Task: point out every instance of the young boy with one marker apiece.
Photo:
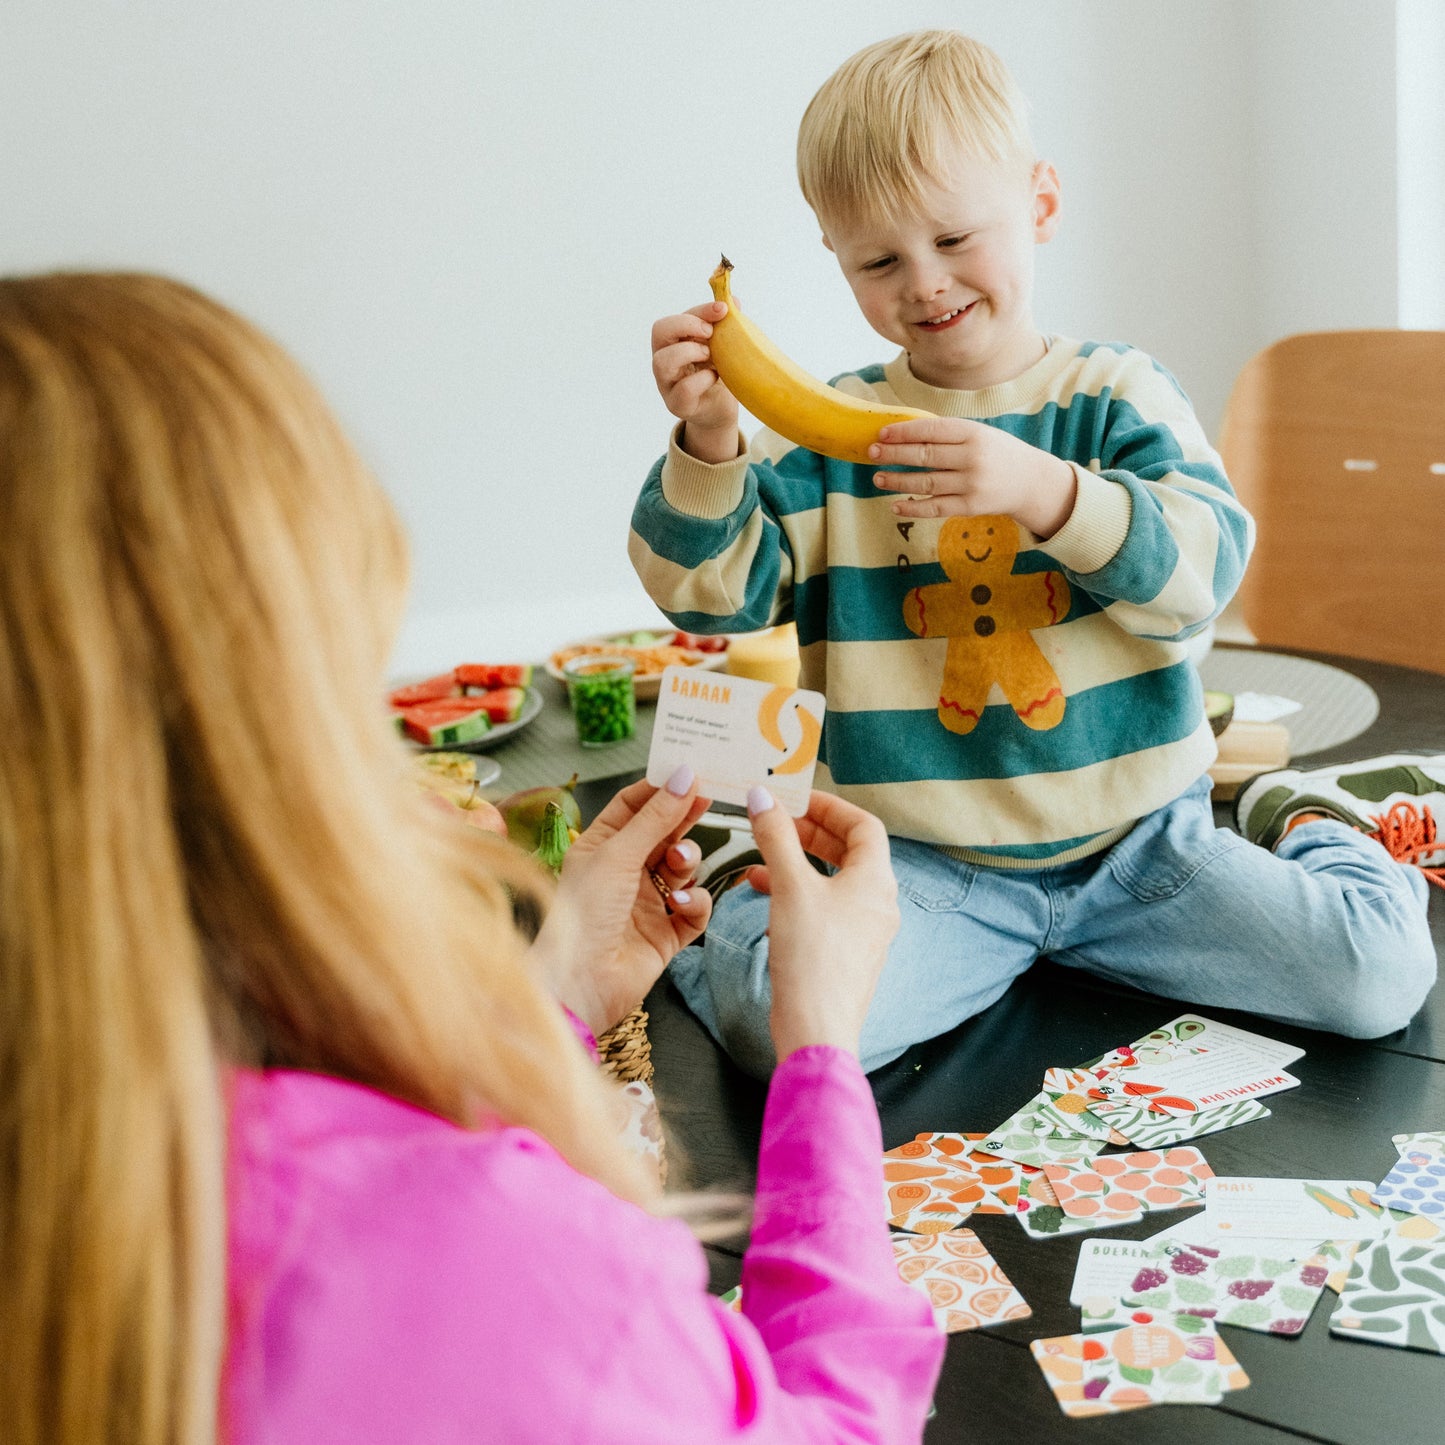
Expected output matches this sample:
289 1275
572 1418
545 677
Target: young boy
998 629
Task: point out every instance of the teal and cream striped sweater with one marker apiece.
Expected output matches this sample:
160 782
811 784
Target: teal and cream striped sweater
1152 551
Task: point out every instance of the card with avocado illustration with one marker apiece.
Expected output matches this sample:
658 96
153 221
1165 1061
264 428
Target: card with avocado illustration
734 732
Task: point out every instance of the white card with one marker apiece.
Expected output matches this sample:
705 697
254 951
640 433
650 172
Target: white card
734 732
1192 1033
1107 1267
1308 1209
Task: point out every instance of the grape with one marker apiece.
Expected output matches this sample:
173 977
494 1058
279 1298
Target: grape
1286 1327
1250 1288
1148 1279
1187 1264
1313 1274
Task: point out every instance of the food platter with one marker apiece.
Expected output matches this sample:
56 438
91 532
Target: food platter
650 656
500 732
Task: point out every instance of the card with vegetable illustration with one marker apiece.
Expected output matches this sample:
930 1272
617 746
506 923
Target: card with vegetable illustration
1173 1362
1293 1208
1115 1187
734 732
963 1281
1395 1294
1157 1123
1257 1290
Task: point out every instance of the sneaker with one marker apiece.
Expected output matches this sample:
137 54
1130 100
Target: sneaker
728 850
1394 799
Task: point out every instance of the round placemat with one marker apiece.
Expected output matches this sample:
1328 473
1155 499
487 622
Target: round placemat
1335 705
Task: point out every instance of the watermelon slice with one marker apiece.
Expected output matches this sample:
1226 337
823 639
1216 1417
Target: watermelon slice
443 685
489 675
502 704
445 722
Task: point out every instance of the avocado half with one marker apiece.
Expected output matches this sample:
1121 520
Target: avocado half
1219 709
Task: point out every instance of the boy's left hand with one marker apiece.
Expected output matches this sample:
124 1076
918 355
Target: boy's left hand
973 470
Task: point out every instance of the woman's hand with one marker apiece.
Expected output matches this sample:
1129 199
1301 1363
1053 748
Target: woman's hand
610 932
828 936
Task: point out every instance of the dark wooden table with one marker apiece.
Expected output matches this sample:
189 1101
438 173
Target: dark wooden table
1352 1097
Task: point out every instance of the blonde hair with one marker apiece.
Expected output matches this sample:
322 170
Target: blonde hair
210 851
886 122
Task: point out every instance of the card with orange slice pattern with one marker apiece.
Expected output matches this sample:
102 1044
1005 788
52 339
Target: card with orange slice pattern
1119 1186
964 1282
1040 1216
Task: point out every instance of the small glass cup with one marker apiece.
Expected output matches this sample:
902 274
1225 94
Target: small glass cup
604 706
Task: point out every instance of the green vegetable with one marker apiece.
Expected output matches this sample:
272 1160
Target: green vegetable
603 703
553 838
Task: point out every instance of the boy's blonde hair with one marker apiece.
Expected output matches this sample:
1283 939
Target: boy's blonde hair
211 851
885 123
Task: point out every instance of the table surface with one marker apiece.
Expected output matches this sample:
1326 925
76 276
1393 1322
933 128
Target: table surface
1352 1097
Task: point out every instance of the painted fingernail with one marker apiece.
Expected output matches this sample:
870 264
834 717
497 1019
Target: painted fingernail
681 897
680 781
759 800
687 853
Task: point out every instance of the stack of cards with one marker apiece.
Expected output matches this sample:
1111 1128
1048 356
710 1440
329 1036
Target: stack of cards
1190 1078
936 1181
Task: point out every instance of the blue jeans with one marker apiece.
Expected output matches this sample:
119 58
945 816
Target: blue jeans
1329 932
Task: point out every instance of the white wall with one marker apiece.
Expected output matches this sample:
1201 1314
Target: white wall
464 216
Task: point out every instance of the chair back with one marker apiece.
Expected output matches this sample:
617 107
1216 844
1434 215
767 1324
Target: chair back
1335 440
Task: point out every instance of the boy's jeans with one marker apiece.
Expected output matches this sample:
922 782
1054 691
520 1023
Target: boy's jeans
1330 933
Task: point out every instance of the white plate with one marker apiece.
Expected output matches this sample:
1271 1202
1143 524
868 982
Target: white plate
645 688
500 732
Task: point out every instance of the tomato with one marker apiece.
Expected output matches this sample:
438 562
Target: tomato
699 641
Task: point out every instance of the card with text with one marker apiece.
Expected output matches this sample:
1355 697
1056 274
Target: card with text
734 732
1293 1209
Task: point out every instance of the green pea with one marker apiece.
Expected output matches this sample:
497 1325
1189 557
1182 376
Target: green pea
604 706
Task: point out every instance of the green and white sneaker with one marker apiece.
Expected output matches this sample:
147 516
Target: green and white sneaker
1395 799
728 850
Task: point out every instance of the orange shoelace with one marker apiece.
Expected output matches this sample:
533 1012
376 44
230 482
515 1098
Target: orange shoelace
1408 834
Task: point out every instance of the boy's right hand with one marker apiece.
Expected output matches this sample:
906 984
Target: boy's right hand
690 388
828 935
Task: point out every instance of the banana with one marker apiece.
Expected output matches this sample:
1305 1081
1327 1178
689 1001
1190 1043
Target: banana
786 398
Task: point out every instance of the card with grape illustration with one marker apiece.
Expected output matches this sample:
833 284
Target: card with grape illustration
1268 1290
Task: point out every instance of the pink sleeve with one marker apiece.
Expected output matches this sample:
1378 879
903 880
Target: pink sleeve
819 1281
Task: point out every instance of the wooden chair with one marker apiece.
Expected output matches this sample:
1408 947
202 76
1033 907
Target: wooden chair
1335 441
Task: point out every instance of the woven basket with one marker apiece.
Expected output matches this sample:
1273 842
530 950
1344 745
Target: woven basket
625 1051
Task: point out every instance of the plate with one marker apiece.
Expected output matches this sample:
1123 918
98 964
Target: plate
645 685
531 706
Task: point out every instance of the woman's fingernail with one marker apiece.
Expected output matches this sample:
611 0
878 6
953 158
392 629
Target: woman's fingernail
680 781
759 800
687 853
681 897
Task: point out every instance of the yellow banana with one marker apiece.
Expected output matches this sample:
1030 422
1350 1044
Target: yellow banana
786 398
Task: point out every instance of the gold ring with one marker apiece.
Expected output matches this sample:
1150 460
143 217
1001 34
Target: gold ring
660 883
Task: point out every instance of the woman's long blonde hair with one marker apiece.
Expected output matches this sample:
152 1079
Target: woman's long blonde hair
209 850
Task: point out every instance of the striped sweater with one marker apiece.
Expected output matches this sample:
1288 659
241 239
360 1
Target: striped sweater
1153 549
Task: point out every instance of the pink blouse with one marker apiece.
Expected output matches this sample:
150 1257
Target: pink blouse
394 1278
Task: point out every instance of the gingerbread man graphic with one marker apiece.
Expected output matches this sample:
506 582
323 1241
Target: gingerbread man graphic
987 613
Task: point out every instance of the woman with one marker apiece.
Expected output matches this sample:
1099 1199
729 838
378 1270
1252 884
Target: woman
298 1142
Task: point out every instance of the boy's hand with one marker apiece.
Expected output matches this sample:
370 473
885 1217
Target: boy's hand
691 389
973 470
